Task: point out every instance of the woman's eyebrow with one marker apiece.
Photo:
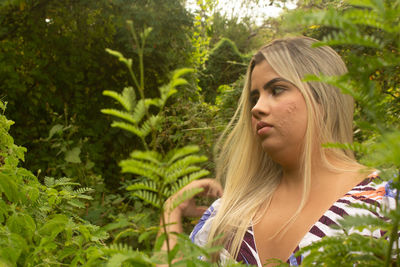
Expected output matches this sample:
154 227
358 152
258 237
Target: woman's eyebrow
273 81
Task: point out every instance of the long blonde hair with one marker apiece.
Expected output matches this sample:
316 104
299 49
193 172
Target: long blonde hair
249 174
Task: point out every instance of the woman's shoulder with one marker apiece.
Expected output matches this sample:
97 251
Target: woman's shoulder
372 188
201 231
372 191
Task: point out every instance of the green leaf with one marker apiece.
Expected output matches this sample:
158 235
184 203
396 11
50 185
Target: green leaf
179 153
128 127
9 187
148 185
152 156
127 99
54 226
119 114
148 197
72 155
56 129
187 194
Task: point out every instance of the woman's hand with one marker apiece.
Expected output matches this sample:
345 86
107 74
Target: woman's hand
173 218
189 208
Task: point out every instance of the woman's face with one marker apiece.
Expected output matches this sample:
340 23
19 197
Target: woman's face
279 113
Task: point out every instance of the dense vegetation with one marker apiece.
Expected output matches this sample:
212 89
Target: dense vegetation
89 187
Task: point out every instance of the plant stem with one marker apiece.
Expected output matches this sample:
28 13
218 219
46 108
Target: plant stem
164 225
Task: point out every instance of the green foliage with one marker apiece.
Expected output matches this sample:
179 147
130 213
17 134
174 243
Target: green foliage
53 70
158 176
40 223
164 176
224 66
202 32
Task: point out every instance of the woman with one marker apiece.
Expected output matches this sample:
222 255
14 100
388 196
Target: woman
282 188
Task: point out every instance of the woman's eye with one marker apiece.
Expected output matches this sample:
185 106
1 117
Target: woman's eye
276 90
253 100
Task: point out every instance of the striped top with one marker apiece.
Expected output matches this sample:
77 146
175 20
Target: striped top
372 191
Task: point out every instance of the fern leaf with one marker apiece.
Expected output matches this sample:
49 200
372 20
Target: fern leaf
128 127
129 96
153 102
118 97
184 163
76 203
187 180
119 248
179 153
140 168
119 114
180 72
83 190
139 111
148 197
145 129
63 182
187 194
357 147
146 165
177 173
155 121
367 18
147 185
341 38
151 156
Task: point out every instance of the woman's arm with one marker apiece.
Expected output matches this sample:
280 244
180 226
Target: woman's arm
173 218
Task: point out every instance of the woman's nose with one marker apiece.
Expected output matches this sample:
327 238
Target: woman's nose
261 108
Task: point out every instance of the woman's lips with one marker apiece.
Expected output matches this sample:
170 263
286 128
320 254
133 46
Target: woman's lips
263 128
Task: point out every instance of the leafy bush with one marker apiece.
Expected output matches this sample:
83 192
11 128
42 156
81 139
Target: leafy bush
224 65
40 223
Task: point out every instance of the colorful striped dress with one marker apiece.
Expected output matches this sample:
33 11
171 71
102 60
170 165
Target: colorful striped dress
371 191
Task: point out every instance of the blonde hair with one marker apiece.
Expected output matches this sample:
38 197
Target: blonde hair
249 174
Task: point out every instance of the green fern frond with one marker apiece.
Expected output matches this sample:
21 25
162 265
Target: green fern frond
185 162
167 192
152 156
145 129
146 165
127 99
361 222
120 114
366 18
188 194
342 38
83 190
179 153
165 91
128 127
119 247
153 102
147 185
65 183
155 121
187 180
177 173
180 72
144 169
48 181
149 197
139 111
357 147
76 203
